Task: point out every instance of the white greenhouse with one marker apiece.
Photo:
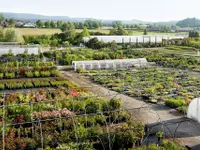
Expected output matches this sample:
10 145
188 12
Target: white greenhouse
134 39
109 64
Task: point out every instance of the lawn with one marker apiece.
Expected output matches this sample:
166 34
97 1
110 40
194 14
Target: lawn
38 31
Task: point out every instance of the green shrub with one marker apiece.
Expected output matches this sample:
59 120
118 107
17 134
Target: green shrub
37 74
55 73
10 75
183 109
1 75
45 73
173 103
29 74
2 86
28 84
115 104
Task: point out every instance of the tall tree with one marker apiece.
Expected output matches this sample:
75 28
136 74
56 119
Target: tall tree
52 24
47 24
2 17
11 22
60 23
145 32
69 31
116 24
80 25
39 23
2 34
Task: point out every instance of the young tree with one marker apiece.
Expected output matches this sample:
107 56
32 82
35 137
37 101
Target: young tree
85 32
113 46
12 36
145 32
26 51
121 31
11 22
39 23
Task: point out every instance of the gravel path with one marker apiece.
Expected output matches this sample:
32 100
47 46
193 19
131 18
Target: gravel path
174 124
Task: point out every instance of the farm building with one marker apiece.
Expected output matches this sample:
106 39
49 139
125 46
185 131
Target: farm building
185 29
29 25
109 64
154 29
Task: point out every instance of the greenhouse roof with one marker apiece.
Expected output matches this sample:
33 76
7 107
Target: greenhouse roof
134 39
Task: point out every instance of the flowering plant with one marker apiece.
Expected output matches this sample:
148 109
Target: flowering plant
73 93
52 114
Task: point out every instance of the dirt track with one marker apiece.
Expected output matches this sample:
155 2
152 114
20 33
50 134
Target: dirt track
172 122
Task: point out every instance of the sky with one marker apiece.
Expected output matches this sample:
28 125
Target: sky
146 10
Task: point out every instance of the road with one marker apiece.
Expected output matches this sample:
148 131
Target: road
158 117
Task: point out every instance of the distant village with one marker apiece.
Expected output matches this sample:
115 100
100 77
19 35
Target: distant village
18 24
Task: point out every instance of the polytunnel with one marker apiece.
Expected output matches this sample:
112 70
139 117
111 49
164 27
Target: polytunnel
194 110
109 64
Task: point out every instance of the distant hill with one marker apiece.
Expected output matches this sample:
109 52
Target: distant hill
189 22
35 17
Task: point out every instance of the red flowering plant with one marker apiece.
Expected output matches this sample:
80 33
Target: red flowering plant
20 119
21 70
73 93
11 98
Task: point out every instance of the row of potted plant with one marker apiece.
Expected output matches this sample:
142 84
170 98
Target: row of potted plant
32 83
152 84
29 73
26 63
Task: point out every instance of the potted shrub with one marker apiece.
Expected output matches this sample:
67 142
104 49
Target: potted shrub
159 135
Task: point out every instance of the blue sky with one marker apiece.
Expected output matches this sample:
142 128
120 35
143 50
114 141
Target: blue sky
148 10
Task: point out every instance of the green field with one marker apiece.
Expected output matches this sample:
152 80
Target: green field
39 31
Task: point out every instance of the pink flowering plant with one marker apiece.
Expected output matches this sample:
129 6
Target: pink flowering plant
52 114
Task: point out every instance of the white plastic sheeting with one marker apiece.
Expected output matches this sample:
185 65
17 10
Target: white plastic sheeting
194 110
109 64
134 39
18 50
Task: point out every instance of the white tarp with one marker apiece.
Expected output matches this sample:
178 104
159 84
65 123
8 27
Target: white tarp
194 110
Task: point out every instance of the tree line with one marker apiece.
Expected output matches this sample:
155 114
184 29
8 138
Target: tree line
90 24
8 22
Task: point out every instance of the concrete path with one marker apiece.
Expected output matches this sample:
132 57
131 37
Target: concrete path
158 117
